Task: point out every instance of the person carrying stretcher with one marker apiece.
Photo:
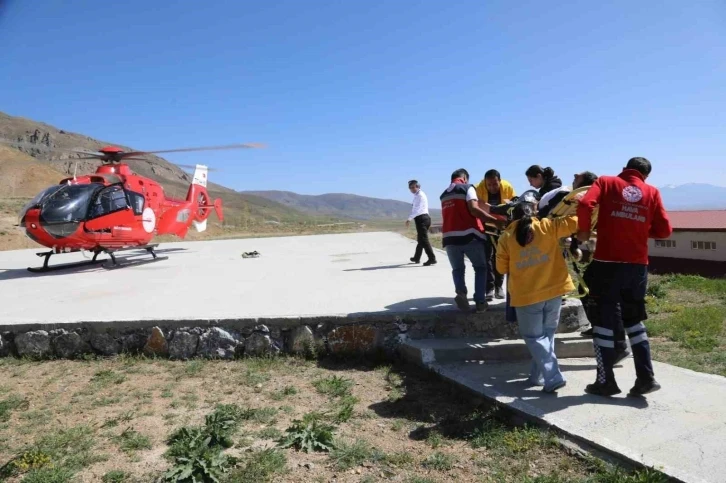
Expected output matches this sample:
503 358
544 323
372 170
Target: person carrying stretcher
493 190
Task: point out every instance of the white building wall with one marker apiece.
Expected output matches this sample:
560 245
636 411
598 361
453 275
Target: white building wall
683 248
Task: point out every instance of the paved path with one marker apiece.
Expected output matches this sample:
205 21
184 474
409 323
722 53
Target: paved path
326 275
680 429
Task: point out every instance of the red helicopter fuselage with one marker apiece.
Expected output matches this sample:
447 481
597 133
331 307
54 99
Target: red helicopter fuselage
114 209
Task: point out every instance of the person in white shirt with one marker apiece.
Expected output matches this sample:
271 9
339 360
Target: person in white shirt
420 215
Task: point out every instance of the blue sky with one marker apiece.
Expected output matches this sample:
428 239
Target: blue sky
361 96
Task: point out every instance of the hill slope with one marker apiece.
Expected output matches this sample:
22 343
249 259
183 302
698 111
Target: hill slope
694 196
29 169
344 205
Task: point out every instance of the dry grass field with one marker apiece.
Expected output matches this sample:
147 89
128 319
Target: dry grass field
130 419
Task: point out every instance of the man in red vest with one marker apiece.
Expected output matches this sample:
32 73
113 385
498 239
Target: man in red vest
630 212
463 235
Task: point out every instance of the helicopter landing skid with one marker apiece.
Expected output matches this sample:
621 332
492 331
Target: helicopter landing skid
94 260
149 249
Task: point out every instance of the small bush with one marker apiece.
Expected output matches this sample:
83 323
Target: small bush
434 439
344 409
309 434
656 290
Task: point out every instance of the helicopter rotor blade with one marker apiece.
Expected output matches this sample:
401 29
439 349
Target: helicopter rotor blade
189 166
207 148
78 158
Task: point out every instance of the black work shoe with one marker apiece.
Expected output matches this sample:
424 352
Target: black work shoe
428 263
461 301
481 307
599 389
414 260
620 355
499 293
642 387
490 295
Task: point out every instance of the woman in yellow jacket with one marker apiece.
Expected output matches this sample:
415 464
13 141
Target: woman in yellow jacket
530 255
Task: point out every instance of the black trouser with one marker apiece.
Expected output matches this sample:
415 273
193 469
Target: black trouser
423 223
494 278
592 310
621 289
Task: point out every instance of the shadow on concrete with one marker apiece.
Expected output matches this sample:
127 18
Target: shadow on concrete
125 259
431 305
425 303
516 385
382 267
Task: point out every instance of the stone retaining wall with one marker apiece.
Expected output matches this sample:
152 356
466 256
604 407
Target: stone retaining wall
228 339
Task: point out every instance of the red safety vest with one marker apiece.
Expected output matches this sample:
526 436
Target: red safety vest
460 226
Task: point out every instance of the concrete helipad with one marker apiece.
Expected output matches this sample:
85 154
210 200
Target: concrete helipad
326 275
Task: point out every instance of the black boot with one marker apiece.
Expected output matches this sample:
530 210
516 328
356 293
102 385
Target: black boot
643 386
599 389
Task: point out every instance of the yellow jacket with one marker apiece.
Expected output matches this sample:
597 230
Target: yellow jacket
536 272
506 191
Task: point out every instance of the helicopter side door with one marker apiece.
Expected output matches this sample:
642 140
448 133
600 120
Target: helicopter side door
110 213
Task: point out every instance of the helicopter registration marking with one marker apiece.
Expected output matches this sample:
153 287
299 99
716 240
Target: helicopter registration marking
148 220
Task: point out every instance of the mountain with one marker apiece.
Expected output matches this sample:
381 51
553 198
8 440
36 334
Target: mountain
694 196
28 168
343 205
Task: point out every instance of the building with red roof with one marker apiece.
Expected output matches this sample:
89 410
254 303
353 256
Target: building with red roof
697 245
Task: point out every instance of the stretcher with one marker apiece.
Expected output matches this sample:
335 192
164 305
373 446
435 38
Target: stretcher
573 254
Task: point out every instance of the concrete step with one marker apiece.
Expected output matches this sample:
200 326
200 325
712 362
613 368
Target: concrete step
428 351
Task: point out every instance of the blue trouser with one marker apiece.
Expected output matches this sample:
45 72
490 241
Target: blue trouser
476 252
537 326
621 288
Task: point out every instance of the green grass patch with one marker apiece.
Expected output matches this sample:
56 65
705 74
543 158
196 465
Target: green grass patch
439 461
505 441
253 378
283 393
344 408
107 378
333 386
434 439
50 474
695 283
348 454
14 402
697 329
131 440
115 476
270 433
55 457
259 467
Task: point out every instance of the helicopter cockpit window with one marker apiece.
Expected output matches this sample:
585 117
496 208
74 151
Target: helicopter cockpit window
109 200
137 202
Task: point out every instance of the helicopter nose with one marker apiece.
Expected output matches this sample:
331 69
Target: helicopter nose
32 226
